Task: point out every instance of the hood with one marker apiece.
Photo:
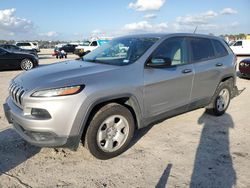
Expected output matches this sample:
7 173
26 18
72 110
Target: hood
61 74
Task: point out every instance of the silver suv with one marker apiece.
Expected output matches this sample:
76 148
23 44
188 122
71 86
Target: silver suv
126 84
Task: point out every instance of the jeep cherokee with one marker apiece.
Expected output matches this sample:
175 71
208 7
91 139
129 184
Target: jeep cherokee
126 84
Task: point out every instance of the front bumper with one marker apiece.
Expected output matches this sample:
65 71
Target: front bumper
37 132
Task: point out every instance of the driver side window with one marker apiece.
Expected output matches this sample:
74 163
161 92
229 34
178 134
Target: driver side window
172 49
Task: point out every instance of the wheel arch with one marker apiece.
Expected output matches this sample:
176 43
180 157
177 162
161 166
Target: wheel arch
126 100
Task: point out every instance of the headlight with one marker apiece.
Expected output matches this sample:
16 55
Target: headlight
58 91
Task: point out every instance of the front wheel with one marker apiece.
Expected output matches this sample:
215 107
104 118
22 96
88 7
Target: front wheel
27 64
110 131
221 99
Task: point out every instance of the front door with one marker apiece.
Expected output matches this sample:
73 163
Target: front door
170 87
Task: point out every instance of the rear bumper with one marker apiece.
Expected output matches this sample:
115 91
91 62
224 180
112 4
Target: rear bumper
79 52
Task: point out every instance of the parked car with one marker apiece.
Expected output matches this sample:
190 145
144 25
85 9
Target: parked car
28 46
69 48
102 98
82 50
37 48
15 48
59 53
244 67
17 60
241 47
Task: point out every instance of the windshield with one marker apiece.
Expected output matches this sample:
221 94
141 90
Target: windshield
120 51
102 42
85 43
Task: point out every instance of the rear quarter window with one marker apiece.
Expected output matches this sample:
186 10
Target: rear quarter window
219 48
202 49
238 43
23 44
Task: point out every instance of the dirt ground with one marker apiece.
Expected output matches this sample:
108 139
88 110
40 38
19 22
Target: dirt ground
189 150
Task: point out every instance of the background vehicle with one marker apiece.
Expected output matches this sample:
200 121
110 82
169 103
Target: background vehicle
15 48
241 47
36 46
28 46
59 53
16 60
69 48
244 67
88 47
127 84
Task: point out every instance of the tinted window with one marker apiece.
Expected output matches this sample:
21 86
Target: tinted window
173 49
94 43
14 47
220 50
202 49
238 43
23 44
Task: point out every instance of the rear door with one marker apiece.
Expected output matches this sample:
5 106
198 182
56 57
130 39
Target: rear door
207 68
168 88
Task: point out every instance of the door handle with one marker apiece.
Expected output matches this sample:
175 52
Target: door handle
219 64
185 71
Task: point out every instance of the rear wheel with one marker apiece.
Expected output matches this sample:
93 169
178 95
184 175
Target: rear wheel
110 131
27 64
221 99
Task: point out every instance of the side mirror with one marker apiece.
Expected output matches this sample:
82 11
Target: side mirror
158 62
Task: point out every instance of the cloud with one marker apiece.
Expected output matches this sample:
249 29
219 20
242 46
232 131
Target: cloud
150 16
200 19
49 34
12 25
145 26
146 5
209 14
228 11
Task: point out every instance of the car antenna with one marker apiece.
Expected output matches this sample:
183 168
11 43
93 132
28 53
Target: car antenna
195 29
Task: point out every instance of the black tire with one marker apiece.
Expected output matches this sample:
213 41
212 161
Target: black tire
107 111
27 64
214 108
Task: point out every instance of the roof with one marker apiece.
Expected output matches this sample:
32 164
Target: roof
163 35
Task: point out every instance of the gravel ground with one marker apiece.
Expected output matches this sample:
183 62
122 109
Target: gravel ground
189 150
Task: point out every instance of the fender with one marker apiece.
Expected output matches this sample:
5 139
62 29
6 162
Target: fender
80 124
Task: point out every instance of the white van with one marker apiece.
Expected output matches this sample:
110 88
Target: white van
241 47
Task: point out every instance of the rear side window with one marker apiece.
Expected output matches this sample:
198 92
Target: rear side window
23 44
220 50
202 49
238 43
94 43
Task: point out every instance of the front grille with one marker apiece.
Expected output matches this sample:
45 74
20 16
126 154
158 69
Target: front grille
16 92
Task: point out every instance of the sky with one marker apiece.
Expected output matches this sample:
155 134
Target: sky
79 19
